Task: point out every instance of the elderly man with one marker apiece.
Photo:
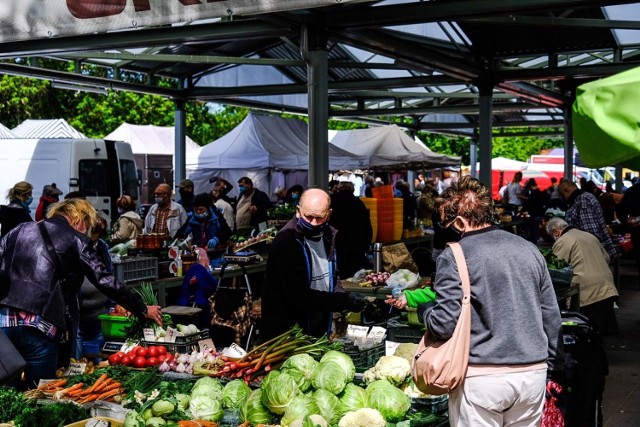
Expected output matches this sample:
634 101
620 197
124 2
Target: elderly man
301 273
165 216
252 207
591 272
585 213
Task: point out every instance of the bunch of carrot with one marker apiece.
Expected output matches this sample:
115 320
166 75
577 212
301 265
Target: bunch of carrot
271 354
104 388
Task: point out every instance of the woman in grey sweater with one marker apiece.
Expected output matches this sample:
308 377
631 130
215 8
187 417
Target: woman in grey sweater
516 332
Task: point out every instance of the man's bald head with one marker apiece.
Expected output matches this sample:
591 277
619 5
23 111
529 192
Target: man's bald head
315 205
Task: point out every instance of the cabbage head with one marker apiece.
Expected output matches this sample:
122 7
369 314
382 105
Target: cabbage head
253 410
329 405
300 367
301 406
353 398
206 408
329 376
310 421
392 403
234 393
342 359
207 386
278 390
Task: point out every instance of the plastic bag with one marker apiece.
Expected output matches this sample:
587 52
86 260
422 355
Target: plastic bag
403 279
551 415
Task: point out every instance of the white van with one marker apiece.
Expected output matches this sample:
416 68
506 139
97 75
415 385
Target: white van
103 170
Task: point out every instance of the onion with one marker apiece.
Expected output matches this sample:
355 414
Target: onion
164 367
183 358
180 368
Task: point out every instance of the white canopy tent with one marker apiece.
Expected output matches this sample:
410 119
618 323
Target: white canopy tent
390 146
272 151
149 139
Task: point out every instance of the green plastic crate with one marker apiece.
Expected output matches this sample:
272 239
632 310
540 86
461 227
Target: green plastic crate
113 326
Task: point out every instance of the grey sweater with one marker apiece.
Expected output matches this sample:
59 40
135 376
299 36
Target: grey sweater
515 318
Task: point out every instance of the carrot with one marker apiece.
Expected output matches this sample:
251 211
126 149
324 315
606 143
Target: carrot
53 384
70 390
112 386
102 385
100 380
109 393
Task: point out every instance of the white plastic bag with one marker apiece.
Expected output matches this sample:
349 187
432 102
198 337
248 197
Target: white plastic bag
403 279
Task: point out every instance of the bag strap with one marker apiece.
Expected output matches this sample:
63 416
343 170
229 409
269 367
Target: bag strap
463 270
49 244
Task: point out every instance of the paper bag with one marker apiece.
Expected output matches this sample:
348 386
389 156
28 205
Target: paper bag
397 256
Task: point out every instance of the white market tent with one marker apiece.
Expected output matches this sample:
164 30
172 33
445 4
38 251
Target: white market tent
272 151
149 139
47 129
390 146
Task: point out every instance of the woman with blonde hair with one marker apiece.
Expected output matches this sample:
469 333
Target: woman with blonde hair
17 211
44 264
129 225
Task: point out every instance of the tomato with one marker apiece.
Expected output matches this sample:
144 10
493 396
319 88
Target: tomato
152 361
121 353
162 349
114 359
152 351
140 362
169 357
162 358
126 360
141 351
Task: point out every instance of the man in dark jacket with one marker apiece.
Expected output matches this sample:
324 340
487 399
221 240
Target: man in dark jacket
251 208
301 278
36 295
351 218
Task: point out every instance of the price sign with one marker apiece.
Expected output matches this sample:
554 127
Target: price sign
234 350
149 334
206 344
75 369
171 335
357 331
377 333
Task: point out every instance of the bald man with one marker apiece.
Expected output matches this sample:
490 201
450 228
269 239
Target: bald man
165 216
301 283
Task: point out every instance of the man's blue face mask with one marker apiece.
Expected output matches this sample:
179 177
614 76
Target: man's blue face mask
242 189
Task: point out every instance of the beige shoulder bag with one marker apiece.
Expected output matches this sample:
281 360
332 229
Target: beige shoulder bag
440 366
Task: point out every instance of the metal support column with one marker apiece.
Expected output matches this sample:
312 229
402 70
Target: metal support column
473 157
179 159
568 142
485 137
315 52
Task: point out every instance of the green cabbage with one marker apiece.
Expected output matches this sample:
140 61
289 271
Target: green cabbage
235 393
162 407
329 405
353 398
253 410
155 422
329 376
313 420
133 419
392 403
278 389
207 386
183 401
299 407
206 408
343 360
300 367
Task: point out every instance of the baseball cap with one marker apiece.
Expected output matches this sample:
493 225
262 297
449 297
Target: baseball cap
51 190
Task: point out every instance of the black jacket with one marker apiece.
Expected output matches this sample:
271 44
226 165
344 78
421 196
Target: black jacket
34 281
287 297
12 215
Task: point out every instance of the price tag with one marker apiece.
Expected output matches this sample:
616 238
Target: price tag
75 369
234 350
206 344
377 334
390 347
171 335
149 334
357 331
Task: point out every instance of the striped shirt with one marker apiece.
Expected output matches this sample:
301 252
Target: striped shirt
11 317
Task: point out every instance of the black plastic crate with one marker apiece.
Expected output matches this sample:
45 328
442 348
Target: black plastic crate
402 334
367 358
183 344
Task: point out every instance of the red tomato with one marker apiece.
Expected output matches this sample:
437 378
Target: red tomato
169 357
140 362
162 358
141 351
114 359
152 351
126 360
162 349
121 353
152 361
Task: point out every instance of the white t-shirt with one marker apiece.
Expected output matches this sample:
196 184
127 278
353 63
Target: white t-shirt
513 191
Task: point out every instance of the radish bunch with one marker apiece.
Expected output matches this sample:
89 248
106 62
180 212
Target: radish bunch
377 279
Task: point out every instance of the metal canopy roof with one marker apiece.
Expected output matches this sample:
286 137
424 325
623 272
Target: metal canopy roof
424 60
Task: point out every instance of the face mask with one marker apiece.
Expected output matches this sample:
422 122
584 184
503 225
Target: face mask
312 231
449 234
121 211
202 215
295 196
28 201
185 194
159 201
241 189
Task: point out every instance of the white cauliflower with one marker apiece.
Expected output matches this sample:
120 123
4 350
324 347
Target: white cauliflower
391 368
411 390
365 417
406 350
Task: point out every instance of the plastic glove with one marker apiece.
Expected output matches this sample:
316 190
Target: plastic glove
212 243
356 302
